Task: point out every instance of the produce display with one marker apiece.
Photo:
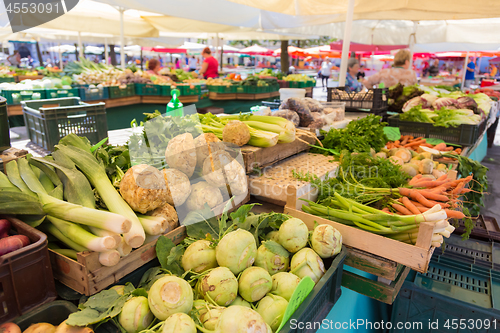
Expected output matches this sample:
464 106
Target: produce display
218 82
9 241
308 112
298 78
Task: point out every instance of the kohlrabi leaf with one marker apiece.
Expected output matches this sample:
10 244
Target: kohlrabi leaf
276 248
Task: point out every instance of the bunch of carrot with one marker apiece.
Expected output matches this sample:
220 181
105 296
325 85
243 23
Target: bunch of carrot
426 193
410 142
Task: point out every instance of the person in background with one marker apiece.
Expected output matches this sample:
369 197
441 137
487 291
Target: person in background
434 69
470 73
425 68
177 63
24 51
15 58
210 65
326 71
192 64
493 71
154 67
400 73
386 65
361 74
351 82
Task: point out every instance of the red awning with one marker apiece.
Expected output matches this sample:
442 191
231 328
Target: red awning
357 47
164 50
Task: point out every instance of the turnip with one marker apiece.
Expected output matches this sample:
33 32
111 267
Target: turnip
272 257
293 235
306 262
143 188
120 289
179 323
135 315
219 286
240 301
199 257
284 284
238 319
236 250
274 236
170 295
210 317
326 241
254 283
272 308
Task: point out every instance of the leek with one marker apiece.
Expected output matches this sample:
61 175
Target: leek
123 248
153 225
61 237
103 233
72 254
68 211
19 203
82 236
109 258
284 127
15 178
5 183
97 176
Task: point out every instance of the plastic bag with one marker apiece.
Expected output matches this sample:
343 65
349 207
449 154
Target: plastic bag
288 114
299 106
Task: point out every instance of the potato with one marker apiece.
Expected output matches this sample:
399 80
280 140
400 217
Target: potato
143 188
202 193
169 214
178 186
223 170
181 154
236 132
40 328
206 143
9 328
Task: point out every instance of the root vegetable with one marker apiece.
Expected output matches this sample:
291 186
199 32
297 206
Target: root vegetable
272 257
326 241
404 154
210 317
199 257
411 169
236 250
240 301
181 154
170 295
221 170
396 160
4 228
254 284
36 328
178 186
272 308
293 235
206 144
306 262
65 328
237 319
284 284
426 166
143 188
13 243
169 214
236 132
119 289
274 236
135 315
219 286
203 193
179 323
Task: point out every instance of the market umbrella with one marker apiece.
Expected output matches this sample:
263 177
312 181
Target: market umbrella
357 47
495 60
256 50
292 50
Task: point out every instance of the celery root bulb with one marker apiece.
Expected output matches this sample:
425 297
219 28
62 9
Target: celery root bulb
236 132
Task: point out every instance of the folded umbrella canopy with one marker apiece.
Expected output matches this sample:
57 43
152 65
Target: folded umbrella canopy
256 50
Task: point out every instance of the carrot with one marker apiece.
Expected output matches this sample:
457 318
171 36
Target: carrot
415 143
458 189
415 179
440 189
428 145
465 190
401 209
405 140
458 151
422 209
397 142
443 177
429 183
434 196
448 148
458 181
440 146
414 194
411 207
389 145
386 210
442 204
454 214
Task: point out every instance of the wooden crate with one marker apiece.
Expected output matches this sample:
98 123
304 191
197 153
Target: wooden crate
87 276
275 94
390 274
258 157
15 110
416 256
271 183
221 97
245 96
11 154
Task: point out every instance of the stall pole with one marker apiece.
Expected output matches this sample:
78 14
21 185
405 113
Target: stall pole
60 56
80 46
106 55
465 70
413 41
373 58
221 55
142 62
122 39
346 43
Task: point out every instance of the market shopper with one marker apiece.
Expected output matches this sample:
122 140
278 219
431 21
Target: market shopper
154 67
210 65
470 73
326 71
399 73
192 64
434 69
351 81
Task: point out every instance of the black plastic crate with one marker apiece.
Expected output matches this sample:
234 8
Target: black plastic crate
273 105
4 125
50 120
53 313
465 135
485 228
93 94
122 91
471 252
322 298
374 100
147 89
